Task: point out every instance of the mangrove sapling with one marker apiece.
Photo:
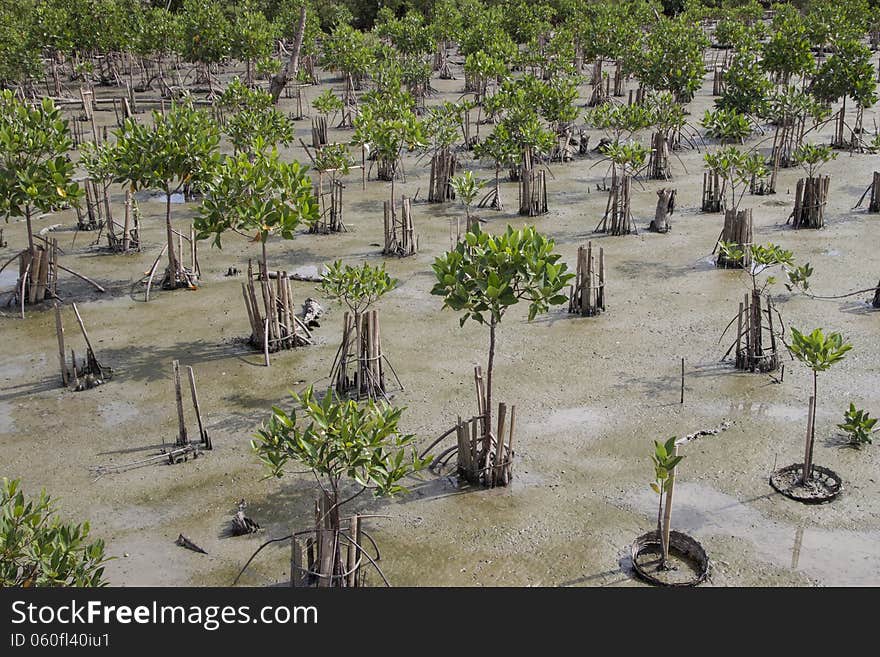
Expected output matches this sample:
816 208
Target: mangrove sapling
255 121
811 193
35 176
500 148
467 188
485 275
335 160
737 169
257 194
206 36
341 442
665 459
727 125
848 72
818 352
177 153
668 119
252 39
788 109
37 548
358 288
626 158
441 129
752 351
858 425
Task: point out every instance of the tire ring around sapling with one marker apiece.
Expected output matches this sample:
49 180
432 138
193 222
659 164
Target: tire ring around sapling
681 546
787 482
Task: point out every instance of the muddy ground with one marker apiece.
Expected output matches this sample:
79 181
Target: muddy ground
591 395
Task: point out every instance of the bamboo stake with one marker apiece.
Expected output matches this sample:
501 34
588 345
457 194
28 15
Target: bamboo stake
203 433
178 395
59 330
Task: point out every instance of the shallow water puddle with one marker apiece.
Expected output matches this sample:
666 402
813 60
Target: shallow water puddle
834 557
562 420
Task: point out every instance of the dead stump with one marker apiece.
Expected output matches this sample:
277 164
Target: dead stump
665 208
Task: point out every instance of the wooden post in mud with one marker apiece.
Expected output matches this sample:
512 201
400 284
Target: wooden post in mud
586 296
667 511
358 369
532 188
443 165
753 354
400 237
618 219
203 432
737 230
665 207
275 326
811 196
807 473
319 132
59 330
874 202
713 192
682 381
178 395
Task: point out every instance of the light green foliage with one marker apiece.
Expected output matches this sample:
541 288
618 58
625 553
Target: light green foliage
442 123
817 350
629 156
746 85
727 125
766 257
664 465
38 549
335 158
206 34
788 51
812 156
499 147
35 172
257 193
254 119
738 168
467 188
357 287
858 424
340 438
847 72
179 148
327 103
620 120
485 275
673 59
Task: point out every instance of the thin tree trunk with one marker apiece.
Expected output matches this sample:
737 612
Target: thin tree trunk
172 256
292 67
30 230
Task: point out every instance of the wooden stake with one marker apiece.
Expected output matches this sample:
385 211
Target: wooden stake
203 433
178 395
59 330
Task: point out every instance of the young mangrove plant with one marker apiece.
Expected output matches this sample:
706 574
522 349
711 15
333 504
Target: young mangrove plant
350 448
484 276
818 352
37 548
858 425
359 366
665 458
